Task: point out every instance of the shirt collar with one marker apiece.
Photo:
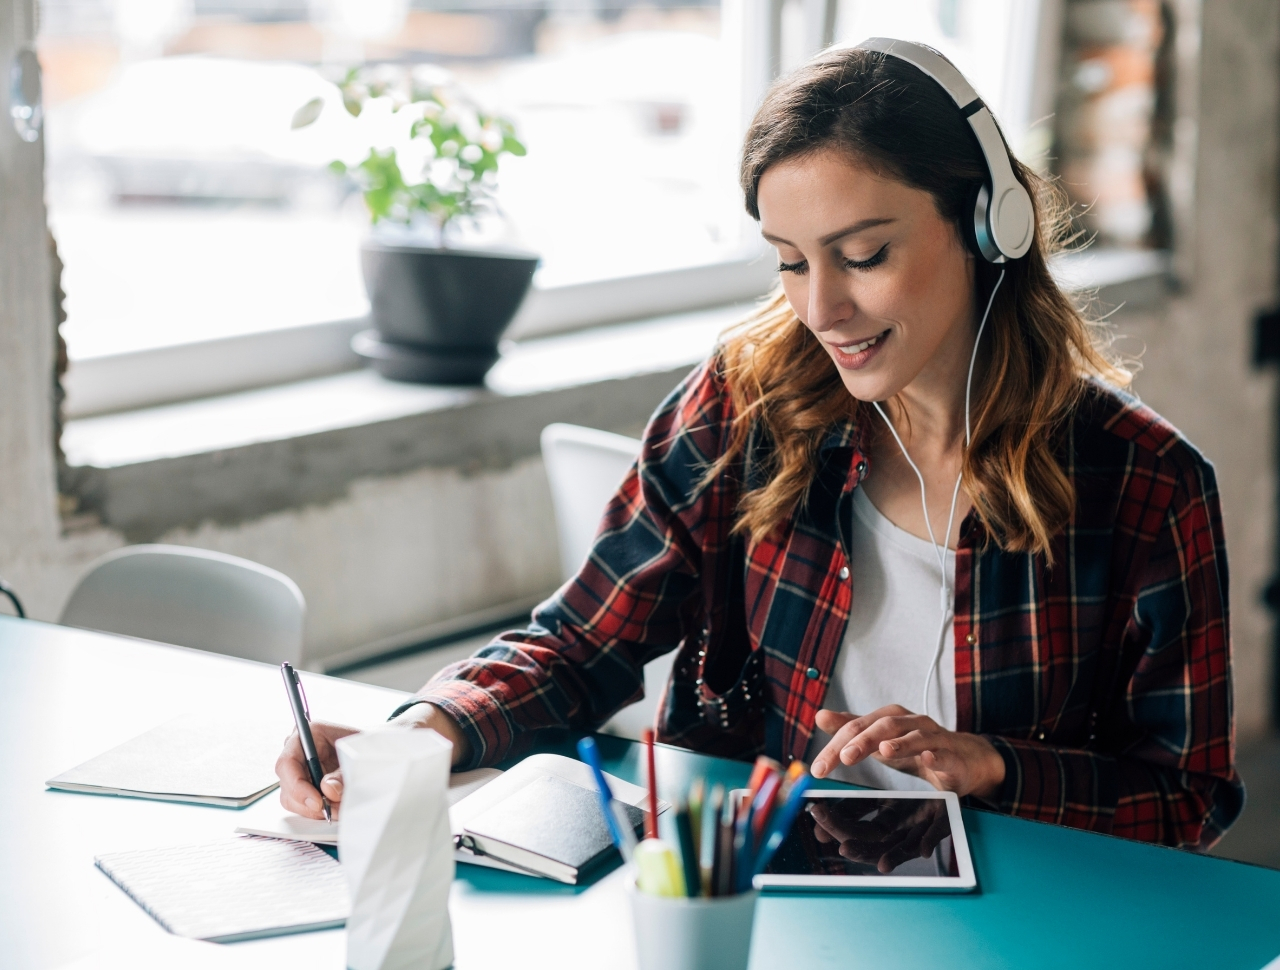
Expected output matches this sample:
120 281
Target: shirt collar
842 434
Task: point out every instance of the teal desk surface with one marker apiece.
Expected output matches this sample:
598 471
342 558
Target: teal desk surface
1048 897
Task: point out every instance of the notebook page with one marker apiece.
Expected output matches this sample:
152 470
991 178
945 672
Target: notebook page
270 820
530 769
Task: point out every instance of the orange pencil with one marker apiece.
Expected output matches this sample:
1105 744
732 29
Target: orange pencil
760 771
764 802
651 820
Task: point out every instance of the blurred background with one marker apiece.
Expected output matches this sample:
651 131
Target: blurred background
182 279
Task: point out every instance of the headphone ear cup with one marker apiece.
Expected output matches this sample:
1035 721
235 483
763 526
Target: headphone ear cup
971 228
985 239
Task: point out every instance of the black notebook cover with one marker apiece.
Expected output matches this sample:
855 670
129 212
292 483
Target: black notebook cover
550 826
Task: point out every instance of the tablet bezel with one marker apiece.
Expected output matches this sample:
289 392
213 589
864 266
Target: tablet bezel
966 881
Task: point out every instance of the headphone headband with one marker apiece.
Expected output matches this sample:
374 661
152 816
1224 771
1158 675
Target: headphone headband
1003 217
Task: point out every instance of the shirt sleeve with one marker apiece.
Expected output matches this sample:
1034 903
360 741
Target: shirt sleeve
1173 780
582 658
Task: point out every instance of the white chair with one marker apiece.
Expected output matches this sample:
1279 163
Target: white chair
585 467
193 598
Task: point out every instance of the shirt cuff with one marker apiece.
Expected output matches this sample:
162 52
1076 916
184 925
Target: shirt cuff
1066 786
411 702
478 716
1006 797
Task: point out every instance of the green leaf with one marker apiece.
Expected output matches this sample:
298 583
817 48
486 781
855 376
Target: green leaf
308 113
447 116
338 167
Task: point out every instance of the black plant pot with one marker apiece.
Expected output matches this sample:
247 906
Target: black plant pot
438 314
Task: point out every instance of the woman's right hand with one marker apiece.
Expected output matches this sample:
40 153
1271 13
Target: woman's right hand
298 795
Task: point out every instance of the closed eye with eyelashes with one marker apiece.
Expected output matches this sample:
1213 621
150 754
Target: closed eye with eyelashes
802 267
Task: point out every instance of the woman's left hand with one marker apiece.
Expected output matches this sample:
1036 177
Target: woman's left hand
966 764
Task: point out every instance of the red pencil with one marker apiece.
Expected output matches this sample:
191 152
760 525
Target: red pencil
651 820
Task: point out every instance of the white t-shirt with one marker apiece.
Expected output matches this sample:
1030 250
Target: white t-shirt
891 637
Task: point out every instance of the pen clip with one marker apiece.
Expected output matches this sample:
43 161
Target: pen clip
306 708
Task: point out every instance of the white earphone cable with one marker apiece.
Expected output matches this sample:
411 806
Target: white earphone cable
946 603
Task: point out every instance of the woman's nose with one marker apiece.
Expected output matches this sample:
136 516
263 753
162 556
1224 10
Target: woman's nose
829 302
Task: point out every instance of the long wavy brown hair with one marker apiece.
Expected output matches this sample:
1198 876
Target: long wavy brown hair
1038 348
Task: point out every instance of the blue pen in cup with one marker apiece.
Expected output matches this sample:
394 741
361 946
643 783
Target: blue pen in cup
614 815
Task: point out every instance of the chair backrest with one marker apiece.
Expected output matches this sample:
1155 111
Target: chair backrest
194 598
585 467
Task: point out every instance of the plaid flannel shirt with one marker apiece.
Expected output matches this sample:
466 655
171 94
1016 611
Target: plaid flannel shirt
1103 681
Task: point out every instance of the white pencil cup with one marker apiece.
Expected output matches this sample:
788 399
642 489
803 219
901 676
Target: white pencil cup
395 848
678 933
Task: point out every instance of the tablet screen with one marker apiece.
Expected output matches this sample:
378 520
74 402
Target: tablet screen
884 837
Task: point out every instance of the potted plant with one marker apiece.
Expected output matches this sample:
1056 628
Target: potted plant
438 311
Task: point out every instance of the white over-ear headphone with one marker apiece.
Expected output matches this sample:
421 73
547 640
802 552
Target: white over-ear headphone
1003 217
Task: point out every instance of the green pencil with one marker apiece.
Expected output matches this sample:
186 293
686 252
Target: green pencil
697 792
688 857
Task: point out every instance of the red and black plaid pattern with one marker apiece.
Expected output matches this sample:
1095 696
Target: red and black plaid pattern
1104 681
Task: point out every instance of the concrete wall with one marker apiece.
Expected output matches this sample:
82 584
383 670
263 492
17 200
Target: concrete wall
33 554
395 553
403 552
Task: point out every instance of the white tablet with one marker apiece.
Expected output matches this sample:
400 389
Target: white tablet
878 840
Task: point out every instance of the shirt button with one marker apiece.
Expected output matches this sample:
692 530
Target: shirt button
970 639
844 572
812 673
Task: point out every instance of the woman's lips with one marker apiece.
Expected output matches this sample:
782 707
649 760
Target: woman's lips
853 356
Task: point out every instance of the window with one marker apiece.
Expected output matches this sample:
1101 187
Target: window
186 210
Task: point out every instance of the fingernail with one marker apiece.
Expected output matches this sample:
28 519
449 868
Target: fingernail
313 804
335 783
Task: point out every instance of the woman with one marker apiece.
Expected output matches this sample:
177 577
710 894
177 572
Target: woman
1061 652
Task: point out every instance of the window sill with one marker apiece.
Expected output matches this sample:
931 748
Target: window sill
240 456
107 383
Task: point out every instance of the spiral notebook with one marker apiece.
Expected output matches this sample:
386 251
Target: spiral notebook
234 889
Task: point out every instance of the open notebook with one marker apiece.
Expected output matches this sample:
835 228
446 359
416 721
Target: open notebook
472 794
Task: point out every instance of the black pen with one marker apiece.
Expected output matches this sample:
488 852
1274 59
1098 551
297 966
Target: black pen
298 701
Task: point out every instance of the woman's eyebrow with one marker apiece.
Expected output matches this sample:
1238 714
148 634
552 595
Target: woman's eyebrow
827 240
